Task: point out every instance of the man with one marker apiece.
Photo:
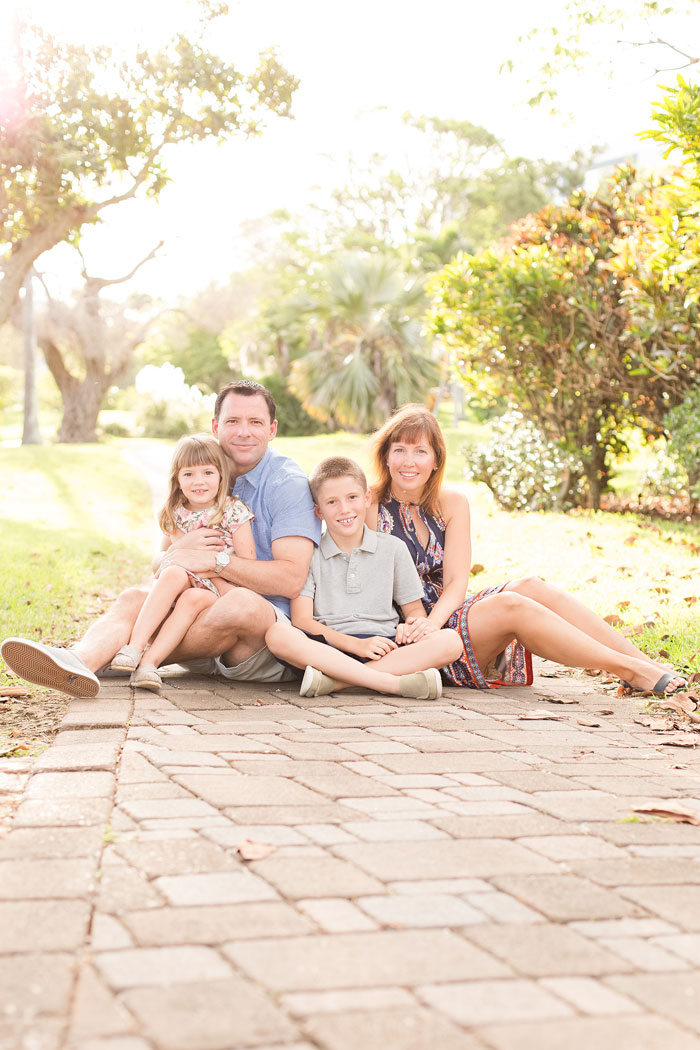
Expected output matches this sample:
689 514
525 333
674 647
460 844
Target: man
228 638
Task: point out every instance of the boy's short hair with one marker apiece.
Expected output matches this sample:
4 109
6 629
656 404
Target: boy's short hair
335 467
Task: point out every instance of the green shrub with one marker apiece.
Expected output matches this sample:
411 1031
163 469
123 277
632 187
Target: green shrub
293 420
159 419
523 470
683 426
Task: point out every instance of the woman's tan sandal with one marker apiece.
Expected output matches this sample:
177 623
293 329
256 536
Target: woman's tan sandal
146 677
127 659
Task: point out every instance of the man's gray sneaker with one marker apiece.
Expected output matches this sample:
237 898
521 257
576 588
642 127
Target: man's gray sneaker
46 665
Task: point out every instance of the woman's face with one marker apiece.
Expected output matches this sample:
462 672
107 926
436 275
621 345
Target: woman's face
410 464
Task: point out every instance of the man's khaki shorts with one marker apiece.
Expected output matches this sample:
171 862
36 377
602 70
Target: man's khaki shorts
260 667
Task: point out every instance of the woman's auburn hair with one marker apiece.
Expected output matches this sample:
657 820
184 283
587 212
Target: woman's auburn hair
411 424
196 450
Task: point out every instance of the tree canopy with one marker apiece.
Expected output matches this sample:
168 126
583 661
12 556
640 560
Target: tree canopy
81 131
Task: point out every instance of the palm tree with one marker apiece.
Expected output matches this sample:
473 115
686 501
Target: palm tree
371 356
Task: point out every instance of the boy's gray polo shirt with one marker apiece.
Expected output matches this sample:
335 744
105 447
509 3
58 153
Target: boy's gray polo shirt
354 593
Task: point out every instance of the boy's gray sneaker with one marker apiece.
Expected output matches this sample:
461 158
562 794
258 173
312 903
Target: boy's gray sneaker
49 666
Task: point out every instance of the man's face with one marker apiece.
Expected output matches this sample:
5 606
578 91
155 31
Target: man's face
244 430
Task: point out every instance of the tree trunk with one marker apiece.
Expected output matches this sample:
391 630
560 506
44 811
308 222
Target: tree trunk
30 429
596 475
81 407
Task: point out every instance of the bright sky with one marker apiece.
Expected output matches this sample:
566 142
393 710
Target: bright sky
361 66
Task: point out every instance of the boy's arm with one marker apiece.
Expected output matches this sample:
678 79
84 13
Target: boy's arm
302 613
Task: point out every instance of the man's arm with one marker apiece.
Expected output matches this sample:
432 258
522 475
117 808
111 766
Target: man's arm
285 574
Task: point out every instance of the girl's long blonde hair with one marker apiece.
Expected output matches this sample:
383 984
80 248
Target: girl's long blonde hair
412 423
197 450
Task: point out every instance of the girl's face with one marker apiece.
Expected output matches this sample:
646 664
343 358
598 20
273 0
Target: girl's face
410 464
199 485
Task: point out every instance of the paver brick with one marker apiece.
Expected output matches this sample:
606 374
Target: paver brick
590 996
645 956
398 1029
31 984
686 945
301 1004
233 887
336 915
363 960
32 879
486 1002
681 909
176 856
203 1016
394 830
640 871
71 785
39 843
316 876
572 847
565 898
546 950
673 995
96 1012
582 1033
78 757
453 859
174 964
249 790
214 924
43 926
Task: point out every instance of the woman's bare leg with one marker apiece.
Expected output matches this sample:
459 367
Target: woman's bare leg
575 612
171 582
187 608
495 621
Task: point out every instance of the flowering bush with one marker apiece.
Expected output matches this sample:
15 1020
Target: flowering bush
523 470
172 408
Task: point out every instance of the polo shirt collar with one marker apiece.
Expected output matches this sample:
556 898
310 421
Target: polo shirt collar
329 548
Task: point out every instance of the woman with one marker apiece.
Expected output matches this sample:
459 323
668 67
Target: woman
500 626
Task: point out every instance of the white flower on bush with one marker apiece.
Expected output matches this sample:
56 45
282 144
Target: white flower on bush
167 383
523 470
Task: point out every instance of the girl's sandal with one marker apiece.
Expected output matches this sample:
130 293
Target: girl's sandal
127 659
146 677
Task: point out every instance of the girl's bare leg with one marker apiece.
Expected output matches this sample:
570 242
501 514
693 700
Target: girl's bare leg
574 612
495 621
293 646
187 608
171 582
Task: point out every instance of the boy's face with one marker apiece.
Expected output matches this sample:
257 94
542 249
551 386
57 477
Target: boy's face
342 503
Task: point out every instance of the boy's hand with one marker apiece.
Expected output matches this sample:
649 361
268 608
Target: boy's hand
415 628
374 648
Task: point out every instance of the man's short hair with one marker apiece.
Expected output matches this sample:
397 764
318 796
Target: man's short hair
247 388
336 467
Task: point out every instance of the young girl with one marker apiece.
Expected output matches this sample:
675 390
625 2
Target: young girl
197 498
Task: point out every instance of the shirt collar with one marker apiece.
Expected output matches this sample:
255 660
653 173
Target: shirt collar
254 475
329 548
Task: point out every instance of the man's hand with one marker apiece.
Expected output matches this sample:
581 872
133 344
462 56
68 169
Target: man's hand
415 628
201 562
373 648
200 539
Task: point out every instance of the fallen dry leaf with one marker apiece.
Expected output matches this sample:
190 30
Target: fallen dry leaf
686 740
561 700
476 569
670 811
690 600
542 716
658 725
255 850
590 722
13 690
592 671
605 711
622 605
637 628
683 705
614 620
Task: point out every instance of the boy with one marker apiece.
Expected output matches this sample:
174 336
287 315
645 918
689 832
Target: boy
346 627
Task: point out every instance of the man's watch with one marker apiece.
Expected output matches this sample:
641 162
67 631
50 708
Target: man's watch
222 560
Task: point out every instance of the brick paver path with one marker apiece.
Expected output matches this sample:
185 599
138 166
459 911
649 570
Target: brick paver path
440 876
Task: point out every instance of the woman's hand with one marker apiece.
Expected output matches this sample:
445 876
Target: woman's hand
374 648
415 628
